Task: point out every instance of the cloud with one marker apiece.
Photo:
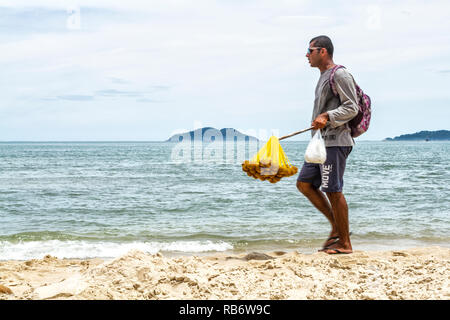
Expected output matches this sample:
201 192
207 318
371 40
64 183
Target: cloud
147 100
117 93
160 87
32 20
106 93
138 96
229 63
119 81
76 97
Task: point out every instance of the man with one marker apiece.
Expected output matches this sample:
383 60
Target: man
330 115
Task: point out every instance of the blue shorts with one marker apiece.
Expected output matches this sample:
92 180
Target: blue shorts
330 175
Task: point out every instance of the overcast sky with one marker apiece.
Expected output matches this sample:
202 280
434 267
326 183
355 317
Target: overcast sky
142 70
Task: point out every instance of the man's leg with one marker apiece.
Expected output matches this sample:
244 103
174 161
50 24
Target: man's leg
332 184
319 200
340 214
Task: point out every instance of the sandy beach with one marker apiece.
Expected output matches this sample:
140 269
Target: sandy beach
419 273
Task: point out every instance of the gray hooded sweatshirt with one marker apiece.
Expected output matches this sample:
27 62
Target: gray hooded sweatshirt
340 110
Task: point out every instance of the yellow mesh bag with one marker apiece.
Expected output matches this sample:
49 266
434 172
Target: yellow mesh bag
270 163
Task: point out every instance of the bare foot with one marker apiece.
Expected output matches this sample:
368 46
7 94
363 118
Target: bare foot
330 241
339 247
338 251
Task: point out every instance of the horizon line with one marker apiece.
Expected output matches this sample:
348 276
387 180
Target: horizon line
61 141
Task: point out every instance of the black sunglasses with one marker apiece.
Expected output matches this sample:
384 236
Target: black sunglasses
310 50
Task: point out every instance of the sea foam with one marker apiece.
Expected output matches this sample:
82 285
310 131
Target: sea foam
101 249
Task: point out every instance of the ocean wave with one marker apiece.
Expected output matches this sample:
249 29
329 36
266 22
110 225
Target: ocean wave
85 249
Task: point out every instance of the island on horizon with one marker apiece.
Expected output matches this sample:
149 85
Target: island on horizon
440 135
210 134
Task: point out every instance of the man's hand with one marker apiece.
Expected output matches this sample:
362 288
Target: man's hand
321 121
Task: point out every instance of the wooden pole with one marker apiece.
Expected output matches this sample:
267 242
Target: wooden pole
295 133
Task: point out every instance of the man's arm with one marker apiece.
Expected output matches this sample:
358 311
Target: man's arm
348 109
345 87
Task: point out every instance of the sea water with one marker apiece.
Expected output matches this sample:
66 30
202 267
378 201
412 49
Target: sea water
102 199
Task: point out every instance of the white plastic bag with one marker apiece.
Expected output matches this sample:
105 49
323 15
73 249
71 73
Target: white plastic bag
316 152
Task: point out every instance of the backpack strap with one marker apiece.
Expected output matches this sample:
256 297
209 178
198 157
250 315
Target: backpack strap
331 79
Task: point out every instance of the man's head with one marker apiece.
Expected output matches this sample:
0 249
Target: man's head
320 51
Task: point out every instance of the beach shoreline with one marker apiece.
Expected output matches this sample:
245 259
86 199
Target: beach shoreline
416 273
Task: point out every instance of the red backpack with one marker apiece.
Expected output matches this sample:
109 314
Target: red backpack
360 123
